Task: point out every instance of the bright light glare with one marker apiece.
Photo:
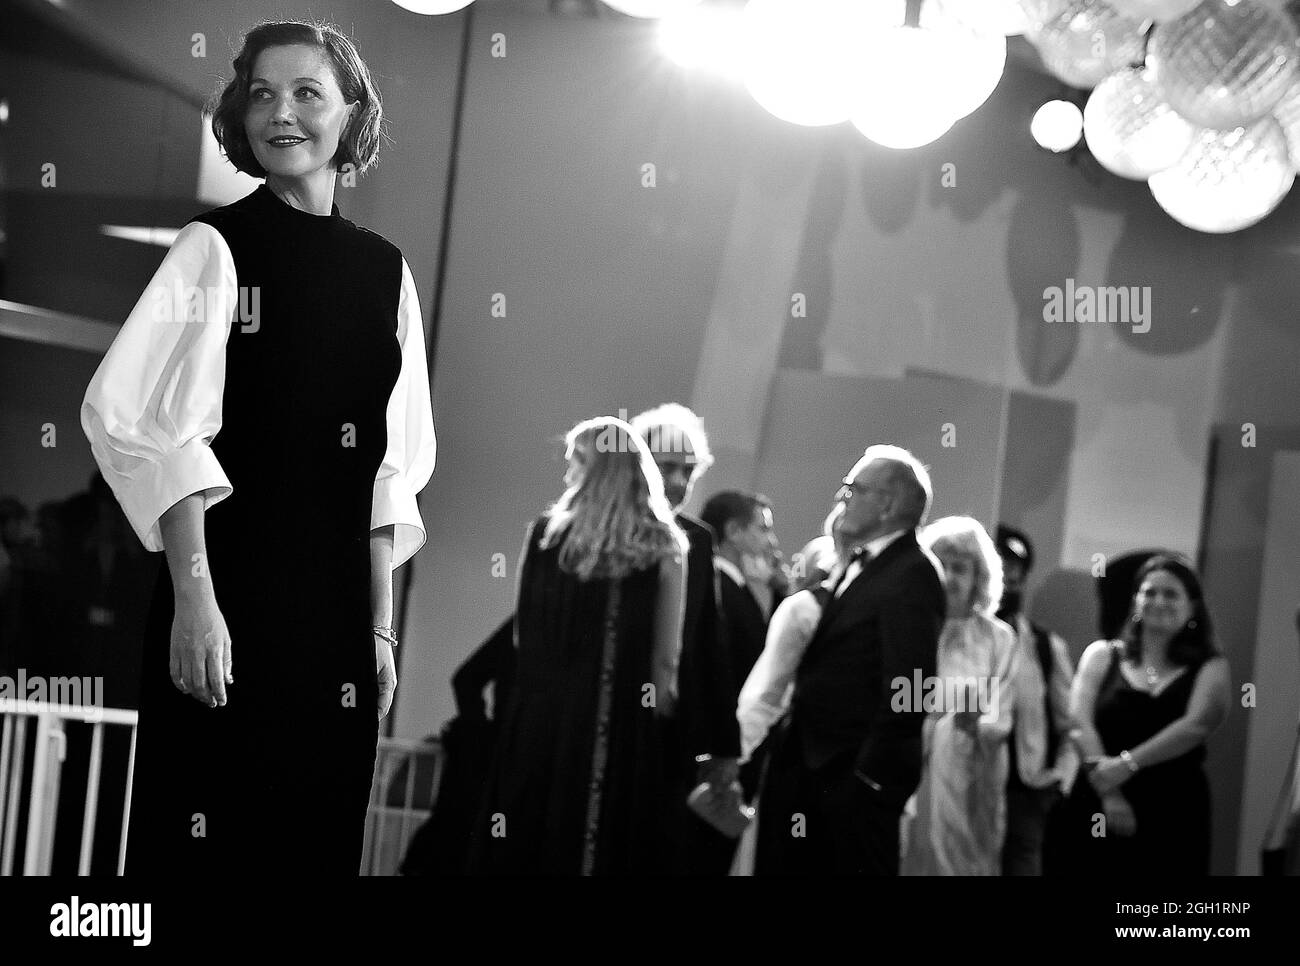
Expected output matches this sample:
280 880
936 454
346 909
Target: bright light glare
804 58
1057 126
429 8
703 37
650 8
904 102
970 61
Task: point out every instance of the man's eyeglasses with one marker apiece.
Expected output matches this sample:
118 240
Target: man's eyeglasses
849 486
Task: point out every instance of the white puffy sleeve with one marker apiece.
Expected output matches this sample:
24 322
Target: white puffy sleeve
765 695
154 404
412 448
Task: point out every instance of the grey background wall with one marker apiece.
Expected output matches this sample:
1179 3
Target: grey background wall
924 302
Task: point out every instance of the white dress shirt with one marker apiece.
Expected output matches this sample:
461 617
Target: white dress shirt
153 406
730 569
765 695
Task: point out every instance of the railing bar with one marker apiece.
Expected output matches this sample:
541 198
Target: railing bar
92 800
53 793
410 801
89 713
36 807
20 757
377 854
6 745
126 805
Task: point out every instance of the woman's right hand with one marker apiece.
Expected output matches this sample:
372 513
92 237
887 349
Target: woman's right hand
201 660
1119 815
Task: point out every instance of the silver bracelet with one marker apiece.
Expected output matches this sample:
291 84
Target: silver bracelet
387 633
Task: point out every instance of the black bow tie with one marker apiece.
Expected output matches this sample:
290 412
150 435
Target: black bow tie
858 555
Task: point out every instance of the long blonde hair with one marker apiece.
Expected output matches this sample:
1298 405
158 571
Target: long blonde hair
614 519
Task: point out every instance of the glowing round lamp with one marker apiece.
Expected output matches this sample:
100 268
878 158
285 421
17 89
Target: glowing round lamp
1088 40
1225 64
803 59
1057 126
1131 130
1227 180
430 8
650 9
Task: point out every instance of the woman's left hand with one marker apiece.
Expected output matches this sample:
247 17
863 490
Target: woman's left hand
1109 775
385 674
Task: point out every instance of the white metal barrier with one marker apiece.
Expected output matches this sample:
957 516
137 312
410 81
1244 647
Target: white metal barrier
47 771
389 826
399 802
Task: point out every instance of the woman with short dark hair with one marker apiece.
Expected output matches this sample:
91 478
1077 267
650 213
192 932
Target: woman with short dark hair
263 417
1143 707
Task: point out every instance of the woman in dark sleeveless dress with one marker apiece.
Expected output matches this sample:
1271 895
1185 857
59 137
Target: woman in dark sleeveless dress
575 787
263 417
1144 707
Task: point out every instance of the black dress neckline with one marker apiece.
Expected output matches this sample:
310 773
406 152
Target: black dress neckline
272 202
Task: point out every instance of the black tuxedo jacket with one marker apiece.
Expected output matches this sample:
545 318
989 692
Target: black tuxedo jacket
744 627
706 684
885 625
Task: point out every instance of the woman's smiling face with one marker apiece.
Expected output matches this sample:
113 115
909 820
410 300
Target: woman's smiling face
296 112
1162 603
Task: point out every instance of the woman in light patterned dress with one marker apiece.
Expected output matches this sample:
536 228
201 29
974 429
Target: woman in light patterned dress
956 821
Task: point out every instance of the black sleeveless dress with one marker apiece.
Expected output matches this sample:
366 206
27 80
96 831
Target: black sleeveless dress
1171 800
279 779
576 782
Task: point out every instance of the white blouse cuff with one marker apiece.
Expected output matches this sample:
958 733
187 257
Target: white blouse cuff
394 505
164 482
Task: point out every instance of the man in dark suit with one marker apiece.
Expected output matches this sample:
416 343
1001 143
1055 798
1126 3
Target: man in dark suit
848 755
747 558
702 741
746 548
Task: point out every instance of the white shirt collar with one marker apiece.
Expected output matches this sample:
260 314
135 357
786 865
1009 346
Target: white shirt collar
876 546
730 569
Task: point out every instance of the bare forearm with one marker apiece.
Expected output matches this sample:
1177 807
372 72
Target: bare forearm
668 627
1087 741
186 549
381 576
1176 739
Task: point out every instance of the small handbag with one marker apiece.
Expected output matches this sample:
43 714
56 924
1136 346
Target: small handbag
725 810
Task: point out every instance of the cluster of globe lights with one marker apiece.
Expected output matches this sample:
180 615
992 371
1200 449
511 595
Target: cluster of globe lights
1199 98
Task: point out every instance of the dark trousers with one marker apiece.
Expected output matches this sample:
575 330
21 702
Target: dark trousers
1028 810
824 821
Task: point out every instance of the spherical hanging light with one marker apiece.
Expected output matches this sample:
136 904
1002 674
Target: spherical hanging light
1039 12
649 8
702 36
904 102
429 8
1005 17
1088 40
1227 180
1161 11
1226 63
971 59
1131 130
802 59
1057 126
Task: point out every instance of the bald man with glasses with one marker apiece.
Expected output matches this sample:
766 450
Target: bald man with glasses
847 757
